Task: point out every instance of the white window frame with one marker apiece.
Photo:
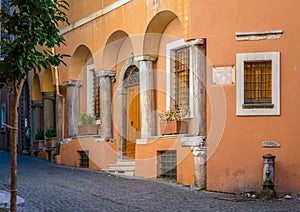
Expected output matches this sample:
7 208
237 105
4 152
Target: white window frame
241 58
170 76
90 94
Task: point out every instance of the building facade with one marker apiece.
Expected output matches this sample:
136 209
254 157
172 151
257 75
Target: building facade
232 64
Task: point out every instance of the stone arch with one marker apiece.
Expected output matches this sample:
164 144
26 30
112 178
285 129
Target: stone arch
155 31
81 57
36 88
117 49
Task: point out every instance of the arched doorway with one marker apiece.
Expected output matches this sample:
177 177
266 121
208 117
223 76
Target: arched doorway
133 131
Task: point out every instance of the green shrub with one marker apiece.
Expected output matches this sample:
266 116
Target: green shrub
39 135
50 132
86 119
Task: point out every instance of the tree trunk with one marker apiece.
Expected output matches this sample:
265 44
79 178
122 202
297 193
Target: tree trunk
17 88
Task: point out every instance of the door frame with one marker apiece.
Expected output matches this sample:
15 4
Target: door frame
122 107
131 138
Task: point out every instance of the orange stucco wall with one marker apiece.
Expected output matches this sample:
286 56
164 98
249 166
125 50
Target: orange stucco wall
95 34
234 143
101 154
147 159
235 164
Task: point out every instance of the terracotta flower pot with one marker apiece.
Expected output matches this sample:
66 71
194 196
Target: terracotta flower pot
51 143
173 127
39 144
89 129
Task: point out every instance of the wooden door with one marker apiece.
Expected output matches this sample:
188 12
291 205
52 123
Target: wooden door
133 120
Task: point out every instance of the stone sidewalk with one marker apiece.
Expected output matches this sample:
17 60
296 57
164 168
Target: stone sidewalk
49 187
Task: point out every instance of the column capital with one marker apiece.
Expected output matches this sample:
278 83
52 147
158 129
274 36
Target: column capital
48 95
105 73
75 83
37 103
145 58
194 42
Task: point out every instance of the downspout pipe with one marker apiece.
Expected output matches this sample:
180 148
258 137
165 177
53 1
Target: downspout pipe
56 74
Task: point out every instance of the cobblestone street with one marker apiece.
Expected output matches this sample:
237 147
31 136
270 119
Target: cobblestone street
49 187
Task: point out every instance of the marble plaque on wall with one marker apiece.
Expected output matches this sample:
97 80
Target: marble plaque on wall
223 75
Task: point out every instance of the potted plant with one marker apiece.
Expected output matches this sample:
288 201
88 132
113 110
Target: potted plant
50 135
39 140
172 121
87 125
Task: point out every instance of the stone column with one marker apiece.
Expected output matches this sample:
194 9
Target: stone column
73 106
49 115
105 79
145 64
59 117
198 67
36 116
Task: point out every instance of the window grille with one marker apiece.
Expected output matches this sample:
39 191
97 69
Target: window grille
168 164
84 159
258 82
97 99
91 83
181 70
132 76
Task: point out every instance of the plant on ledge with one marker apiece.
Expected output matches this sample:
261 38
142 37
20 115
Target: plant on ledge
172 120
175 113
86 118
50 135
87 125
39 140
39 135
50 132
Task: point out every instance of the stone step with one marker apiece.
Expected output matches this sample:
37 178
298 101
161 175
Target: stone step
121 172
122 167
126 162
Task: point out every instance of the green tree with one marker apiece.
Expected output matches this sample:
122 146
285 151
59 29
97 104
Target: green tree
33 28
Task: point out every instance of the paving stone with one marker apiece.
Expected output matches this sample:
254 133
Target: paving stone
49 187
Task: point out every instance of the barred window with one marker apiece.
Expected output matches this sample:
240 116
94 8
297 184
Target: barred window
257 83
181 69
97 100
168 164
84 159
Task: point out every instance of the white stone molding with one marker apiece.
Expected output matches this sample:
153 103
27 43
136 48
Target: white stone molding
255 36
94 16
259 56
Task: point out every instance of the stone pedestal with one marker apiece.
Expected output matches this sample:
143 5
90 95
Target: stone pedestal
269 164
105 79
145 65
73 106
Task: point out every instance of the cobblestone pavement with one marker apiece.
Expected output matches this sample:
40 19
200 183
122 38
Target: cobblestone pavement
49 187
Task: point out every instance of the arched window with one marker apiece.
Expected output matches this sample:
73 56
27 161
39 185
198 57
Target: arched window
132 76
